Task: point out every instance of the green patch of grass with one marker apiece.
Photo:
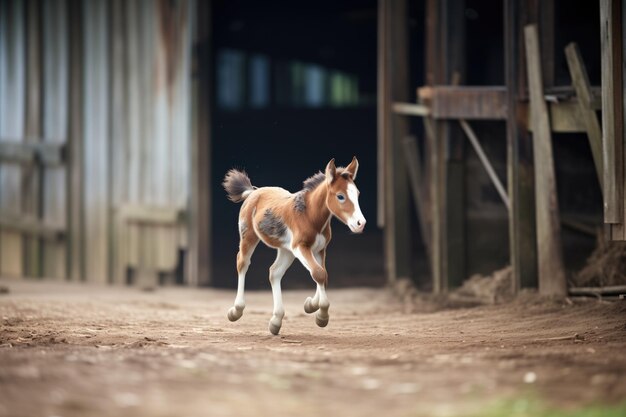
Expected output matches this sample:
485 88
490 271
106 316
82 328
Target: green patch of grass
529 407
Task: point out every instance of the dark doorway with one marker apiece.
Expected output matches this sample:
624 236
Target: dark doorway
294 86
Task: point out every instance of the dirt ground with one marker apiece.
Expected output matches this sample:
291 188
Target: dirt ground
74 350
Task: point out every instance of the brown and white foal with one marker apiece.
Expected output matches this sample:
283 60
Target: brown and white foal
297 226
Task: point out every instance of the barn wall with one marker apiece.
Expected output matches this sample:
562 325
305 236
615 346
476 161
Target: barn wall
134 134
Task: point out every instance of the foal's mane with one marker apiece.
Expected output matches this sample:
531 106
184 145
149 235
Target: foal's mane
312 182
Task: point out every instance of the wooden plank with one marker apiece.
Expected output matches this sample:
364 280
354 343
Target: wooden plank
33 152
55 130
152 215
551 271
580 79
180 138
31 227
31 174
163 245
13 91
75 212
119 175
482 103
95 136
130 235
199 259
612 126
409 109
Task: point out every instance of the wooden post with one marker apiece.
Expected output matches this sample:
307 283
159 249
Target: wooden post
445 62
551 271
199 259
612 116
393 61
580 80
522 238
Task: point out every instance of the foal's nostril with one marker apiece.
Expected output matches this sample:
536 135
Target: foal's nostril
358 223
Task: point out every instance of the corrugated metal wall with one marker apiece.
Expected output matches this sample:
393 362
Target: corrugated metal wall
135 123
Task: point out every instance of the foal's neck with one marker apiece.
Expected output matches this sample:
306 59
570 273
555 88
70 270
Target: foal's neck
317 210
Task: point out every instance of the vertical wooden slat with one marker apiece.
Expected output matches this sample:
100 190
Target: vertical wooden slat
75 171
96 134
119 152
129 236
12 116
612 129
522 240
55 128
434 142
551 271
31 174
199 259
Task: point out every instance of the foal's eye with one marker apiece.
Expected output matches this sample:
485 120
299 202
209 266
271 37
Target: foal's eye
341 198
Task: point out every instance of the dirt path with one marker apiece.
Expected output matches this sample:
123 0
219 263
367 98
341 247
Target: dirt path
76 351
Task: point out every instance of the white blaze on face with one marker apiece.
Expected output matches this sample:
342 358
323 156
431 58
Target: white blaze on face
356 222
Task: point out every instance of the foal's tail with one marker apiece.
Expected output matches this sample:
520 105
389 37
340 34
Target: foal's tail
237 185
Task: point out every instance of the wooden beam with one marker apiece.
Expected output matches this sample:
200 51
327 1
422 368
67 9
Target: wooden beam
471 135
580 79
165 216
452 102
45 153
551 271
30 226
612 127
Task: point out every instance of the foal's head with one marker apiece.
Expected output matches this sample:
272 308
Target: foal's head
343 196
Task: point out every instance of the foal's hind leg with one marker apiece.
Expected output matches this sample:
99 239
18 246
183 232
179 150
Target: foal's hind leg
247 244
283 261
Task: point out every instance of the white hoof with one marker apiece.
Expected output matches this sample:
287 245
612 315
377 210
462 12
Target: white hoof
234 314
309 307
274 328
321 321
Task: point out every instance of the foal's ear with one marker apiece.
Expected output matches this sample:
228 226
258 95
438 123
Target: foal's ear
353 167
331 170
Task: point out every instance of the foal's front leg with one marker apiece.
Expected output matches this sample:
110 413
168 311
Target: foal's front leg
312 304
320 276
283 261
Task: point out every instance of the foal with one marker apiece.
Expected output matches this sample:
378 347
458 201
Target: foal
297 226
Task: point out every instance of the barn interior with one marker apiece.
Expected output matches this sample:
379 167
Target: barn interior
490 278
